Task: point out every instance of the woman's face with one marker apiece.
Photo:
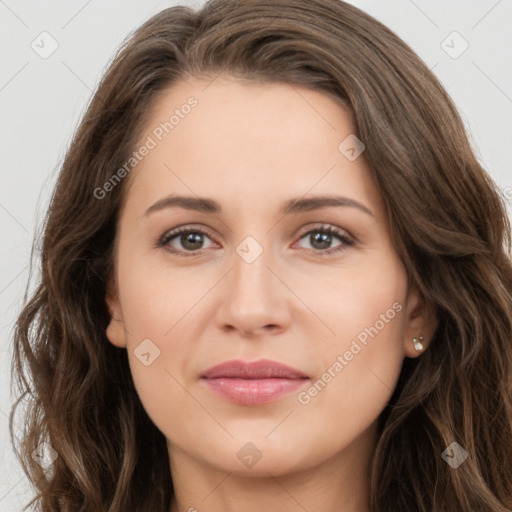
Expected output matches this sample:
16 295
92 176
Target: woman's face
251 281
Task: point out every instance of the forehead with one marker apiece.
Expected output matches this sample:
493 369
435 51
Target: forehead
231 139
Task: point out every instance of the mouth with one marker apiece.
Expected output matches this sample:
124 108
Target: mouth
253 383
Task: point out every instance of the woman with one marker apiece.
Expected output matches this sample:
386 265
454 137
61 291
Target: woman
188 353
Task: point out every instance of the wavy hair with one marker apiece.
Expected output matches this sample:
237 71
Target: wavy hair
449 226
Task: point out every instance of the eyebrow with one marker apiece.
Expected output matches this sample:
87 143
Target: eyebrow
207 205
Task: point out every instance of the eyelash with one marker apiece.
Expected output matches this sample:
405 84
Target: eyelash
331 230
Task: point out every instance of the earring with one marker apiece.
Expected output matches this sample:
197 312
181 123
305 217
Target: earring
417 345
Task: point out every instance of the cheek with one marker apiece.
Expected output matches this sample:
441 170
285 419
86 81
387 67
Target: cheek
361 363
361 298
157 306
157 296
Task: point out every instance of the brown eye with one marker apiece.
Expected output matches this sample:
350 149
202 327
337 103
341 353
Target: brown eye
321 239
184 240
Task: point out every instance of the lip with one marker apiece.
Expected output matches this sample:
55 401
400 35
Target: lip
252 383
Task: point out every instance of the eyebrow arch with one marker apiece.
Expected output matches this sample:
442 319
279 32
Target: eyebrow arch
207 205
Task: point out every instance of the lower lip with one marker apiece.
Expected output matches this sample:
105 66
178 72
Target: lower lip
253 391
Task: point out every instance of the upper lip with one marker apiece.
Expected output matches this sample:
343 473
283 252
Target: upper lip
262 369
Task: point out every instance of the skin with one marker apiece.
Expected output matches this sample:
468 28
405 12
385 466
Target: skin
251 147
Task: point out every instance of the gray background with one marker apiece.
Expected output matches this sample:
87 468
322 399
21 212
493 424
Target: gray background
42 99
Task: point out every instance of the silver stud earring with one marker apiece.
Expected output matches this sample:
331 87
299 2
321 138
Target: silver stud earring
417 344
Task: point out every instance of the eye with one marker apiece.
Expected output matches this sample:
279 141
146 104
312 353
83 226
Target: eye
191 240
320 239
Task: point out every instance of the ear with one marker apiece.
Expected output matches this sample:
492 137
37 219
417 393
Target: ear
116 332
420 320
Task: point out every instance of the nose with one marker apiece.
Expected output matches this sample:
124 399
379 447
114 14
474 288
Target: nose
255 299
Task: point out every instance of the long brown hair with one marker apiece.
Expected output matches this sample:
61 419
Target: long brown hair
448 222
